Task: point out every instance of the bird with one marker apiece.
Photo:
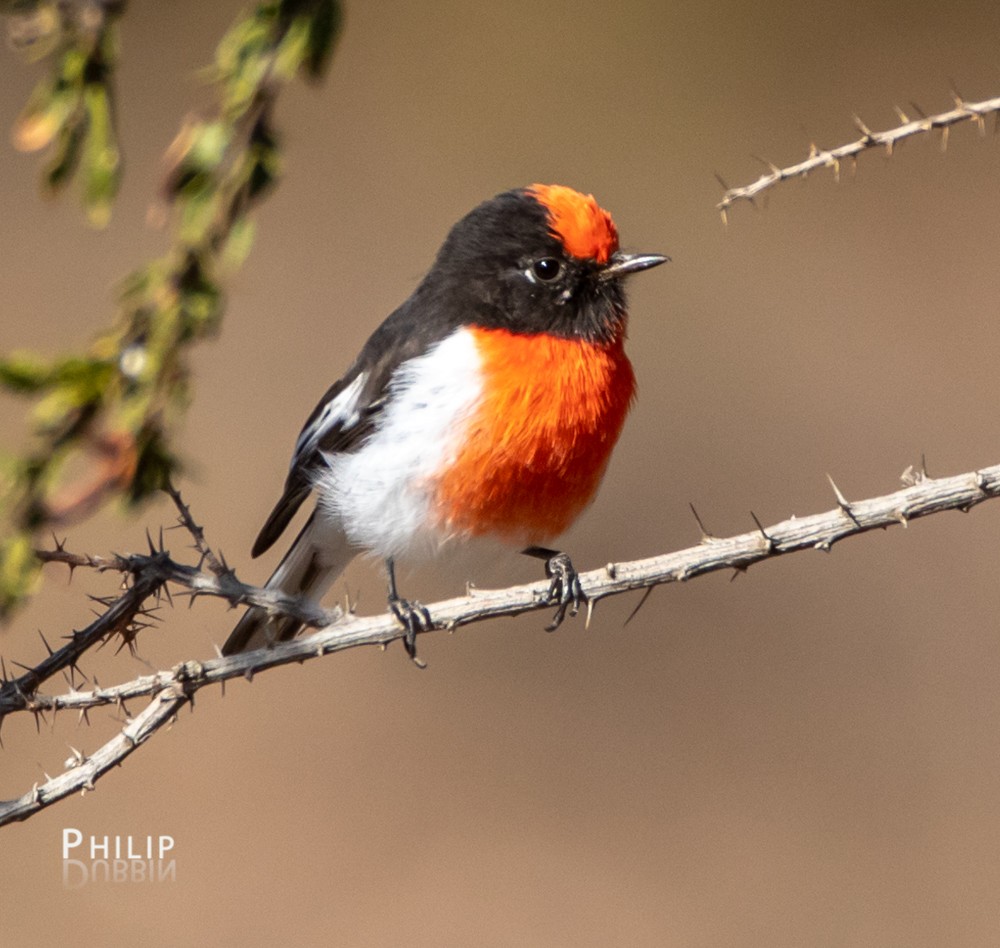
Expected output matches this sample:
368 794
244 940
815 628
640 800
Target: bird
487 405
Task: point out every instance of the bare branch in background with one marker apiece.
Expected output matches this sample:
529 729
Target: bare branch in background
833 157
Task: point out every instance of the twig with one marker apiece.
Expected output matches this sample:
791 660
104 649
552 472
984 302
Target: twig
921 497
831 158
151 573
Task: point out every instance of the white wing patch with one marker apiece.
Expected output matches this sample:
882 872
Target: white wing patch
340 412
381 493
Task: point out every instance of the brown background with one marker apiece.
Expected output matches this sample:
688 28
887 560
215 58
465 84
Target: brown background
806 756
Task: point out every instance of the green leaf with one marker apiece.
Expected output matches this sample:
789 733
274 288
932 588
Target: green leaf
66 156
100 164
208 146
325 26
154 468
292 49
23 372
238 243
197 214
55 408
19 572
47 111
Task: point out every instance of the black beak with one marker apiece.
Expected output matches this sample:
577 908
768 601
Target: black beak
622 264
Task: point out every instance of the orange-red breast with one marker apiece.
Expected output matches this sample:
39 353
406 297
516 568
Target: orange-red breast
488 404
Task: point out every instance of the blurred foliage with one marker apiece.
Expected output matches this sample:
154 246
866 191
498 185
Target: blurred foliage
71 111
102 420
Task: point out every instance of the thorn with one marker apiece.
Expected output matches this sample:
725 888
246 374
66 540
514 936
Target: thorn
705 535
901 517
864 129
945 132
84 717
916 108
763 532
642 602
591 602
77 758
738 571
718 177
903 117
836 170
773 169
724 214
842 501
48 648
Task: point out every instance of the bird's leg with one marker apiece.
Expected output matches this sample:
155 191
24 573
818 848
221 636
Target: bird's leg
564 583
412 616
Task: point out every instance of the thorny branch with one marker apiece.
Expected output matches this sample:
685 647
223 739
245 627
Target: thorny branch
170 690
832 158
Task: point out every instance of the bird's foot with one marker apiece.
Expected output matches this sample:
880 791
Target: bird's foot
414 618
564 584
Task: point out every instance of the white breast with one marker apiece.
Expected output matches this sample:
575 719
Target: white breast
381 494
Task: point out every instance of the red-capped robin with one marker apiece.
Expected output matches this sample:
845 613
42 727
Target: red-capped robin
488 404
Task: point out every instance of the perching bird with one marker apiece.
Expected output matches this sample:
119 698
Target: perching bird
487 404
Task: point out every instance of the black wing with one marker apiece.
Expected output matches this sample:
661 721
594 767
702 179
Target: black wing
349 411
339 422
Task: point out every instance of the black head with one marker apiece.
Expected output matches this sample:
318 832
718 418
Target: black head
537 259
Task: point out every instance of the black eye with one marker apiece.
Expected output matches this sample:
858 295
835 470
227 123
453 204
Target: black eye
547 269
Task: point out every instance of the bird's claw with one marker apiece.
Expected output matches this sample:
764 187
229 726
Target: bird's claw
564 588
414 618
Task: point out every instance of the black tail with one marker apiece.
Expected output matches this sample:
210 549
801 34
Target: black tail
318 556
